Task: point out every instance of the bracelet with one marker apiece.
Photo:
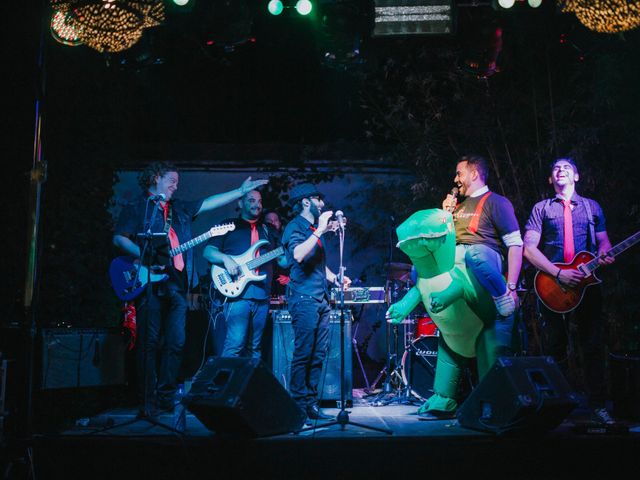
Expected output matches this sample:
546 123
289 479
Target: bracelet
558 274
314 234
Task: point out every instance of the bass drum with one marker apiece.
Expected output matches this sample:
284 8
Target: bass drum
419 365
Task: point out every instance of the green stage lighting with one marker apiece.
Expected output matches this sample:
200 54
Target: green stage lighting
275 7
304 7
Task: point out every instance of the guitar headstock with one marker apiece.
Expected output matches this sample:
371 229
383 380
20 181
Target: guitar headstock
222 229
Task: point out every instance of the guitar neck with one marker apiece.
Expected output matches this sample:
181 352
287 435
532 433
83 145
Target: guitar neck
213 232
618 249
262 259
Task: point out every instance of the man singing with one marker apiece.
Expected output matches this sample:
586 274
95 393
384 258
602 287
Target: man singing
308 294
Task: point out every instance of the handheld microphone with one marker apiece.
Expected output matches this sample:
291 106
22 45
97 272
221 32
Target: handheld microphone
340 217
452 205
160 196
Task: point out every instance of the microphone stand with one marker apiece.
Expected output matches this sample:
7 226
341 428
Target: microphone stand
342 418
148 236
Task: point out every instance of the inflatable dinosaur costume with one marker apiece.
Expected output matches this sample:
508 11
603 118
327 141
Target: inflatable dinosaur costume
461 308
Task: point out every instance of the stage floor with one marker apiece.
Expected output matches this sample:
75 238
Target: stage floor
139 449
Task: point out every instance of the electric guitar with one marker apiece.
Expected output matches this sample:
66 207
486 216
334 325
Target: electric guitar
563 299
129 278
233 285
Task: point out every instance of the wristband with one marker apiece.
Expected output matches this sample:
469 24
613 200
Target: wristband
558 274
315 235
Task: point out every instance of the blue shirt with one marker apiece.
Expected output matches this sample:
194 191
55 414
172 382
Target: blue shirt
309 276
131 222
547 218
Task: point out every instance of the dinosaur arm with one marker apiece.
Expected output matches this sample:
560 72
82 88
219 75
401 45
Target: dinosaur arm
399 310
438 301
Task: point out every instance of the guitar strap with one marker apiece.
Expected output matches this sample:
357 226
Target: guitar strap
592 230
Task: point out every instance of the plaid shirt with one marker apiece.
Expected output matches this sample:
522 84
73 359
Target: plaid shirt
547 218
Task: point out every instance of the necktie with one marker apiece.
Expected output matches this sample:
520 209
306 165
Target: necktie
178 261
568 248
255 236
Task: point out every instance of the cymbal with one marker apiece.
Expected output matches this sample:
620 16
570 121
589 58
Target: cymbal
395 266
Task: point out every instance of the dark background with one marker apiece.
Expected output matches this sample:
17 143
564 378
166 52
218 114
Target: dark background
224 85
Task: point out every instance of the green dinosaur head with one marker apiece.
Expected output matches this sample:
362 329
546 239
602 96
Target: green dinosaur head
428 238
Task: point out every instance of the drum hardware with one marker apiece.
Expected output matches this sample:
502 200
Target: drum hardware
398 386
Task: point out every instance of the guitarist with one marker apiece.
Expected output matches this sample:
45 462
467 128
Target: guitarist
246 315
161 322
557 229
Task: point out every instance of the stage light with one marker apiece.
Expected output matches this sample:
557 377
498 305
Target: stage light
506 3
181 3
413 17
534 3
275 7
304 7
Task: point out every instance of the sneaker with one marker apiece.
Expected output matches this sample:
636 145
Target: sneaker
505 304
601 415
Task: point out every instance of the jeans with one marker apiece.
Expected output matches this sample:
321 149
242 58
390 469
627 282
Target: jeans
160 317
310 322
486 265
245 319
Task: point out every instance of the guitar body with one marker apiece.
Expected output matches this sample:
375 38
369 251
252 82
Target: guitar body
233 286
123 277
561 299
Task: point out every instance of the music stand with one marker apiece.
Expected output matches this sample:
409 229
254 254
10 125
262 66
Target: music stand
151 242
342 418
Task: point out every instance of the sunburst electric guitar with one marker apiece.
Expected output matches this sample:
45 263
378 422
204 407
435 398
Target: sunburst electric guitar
563 299
233 285
129 278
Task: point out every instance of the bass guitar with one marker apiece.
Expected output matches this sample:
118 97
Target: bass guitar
129 278
563 299
233 285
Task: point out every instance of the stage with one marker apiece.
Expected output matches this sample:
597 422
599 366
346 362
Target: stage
428 449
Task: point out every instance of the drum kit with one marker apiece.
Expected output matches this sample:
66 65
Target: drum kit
411 347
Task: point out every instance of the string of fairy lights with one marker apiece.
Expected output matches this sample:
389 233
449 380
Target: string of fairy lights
116 25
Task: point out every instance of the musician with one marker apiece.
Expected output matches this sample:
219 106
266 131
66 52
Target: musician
245 315
546 241
161 321
308 294
486 229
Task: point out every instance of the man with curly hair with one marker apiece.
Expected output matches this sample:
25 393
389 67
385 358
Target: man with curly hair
161 318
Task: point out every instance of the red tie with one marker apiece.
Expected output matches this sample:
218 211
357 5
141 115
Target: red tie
569 249
255 236
178 261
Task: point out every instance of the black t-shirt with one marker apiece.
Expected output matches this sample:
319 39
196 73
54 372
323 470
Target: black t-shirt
497 218
308 277
238 242
131 222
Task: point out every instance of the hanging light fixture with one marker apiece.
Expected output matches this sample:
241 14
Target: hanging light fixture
605 16
108 25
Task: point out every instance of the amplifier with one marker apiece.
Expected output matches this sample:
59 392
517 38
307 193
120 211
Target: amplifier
83 357
283 343
354 295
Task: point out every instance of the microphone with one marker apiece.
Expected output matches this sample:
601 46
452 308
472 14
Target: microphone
160 196
340 217
452 205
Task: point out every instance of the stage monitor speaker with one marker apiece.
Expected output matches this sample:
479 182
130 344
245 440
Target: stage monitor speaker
240 396
283 343
518 394
82 357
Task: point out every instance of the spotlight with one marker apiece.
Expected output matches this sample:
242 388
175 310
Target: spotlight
304 7
534 3
275 7
506 3
181 3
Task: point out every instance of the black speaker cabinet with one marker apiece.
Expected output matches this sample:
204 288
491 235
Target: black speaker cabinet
518 394
82 357
283 352
241 396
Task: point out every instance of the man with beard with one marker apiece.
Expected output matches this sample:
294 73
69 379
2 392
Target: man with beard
486 229
245 315
308 294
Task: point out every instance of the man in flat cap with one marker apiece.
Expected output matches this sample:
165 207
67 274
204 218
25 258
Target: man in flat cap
308 294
